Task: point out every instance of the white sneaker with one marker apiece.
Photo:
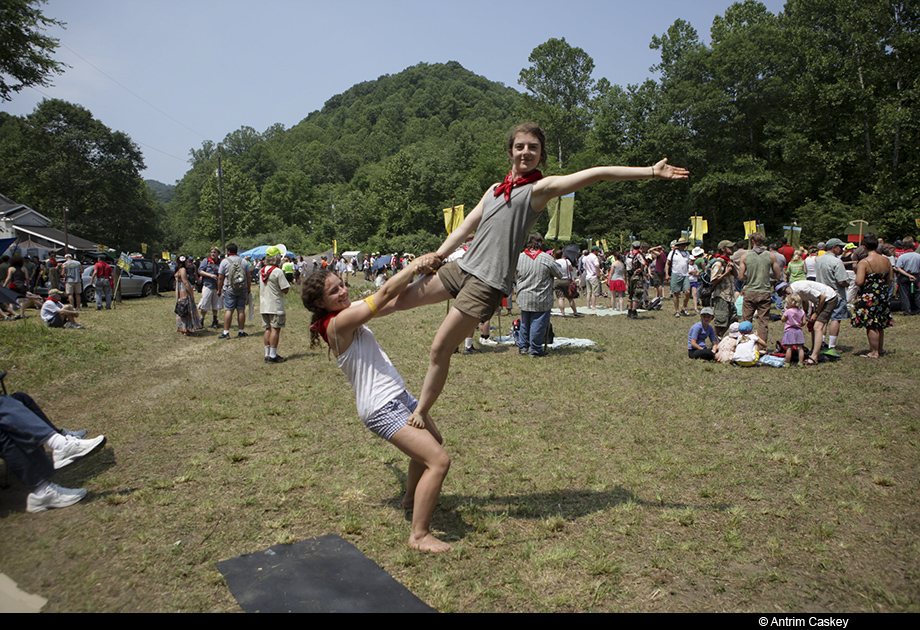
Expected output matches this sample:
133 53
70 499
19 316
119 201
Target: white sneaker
54 496
75 449
487 341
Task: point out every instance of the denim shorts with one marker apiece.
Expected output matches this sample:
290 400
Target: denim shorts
840 313
232 301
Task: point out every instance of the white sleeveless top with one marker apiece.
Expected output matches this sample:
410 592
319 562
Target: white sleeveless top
371 373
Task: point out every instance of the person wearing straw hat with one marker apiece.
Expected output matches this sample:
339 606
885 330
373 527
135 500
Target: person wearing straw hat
677 272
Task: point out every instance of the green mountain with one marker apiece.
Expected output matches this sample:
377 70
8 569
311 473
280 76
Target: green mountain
164 192
372 168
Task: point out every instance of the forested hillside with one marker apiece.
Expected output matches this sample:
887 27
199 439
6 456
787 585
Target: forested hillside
373 168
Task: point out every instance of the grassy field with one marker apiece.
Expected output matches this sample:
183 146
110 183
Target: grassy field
621 477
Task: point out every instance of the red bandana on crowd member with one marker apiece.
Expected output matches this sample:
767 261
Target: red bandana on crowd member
510 183
321 325
723 257
533 253
266 272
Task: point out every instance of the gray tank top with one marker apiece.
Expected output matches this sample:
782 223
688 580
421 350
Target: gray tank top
499 240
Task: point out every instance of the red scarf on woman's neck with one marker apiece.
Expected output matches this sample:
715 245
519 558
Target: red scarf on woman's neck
533 253
320 325
511 183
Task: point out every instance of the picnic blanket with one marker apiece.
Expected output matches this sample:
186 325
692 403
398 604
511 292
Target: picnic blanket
601 311
558 342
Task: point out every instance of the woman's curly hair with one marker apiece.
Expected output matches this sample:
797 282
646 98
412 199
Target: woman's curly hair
312 290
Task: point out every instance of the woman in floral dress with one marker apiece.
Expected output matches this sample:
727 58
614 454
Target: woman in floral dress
873 277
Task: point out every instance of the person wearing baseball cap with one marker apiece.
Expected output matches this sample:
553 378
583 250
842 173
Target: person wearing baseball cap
57 315
700 332
830 271
273 286
722 273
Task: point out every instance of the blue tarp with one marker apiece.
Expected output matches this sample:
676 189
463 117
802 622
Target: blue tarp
382 261
257 253
5 244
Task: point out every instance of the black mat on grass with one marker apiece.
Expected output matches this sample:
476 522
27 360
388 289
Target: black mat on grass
320 575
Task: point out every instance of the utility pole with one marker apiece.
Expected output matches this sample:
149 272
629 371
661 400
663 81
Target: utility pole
220 196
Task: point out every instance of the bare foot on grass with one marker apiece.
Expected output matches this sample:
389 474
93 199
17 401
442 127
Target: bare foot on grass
429 543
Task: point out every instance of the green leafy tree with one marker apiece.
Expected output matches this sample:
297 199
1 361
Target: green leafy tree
240 207
561 90
62 157
25 51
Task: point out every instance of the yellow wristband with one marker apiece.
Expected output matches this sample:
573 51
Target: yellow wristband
370 302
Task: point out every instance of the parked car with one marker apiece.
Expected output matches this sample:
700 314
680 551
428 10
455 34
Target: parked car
131 285
165 278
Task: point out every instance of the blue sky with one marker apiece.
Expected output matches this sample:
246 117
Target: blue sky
172 74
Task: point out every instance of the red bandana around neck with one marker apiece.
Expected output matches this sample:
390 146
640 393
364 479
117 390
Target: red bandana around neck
321 325
511 183
266 272
533 253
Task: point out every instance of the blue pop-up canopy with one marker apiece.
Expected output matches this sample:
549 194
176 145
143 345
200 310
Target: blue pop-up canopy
259 252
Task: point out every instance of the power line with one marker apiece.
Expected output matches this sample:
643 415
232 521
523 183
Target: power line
46 95
137 96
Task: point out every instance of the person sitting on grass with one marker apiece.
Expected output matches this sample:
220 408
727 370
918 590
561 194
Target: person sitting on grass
699 333
57 315
24 432
749 346
383 402
727 344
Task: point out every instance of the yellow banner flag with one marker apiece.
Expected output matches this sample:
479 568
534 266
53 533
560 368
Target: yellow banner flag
453 217
561 213
749 228
164 255
335 247
698 227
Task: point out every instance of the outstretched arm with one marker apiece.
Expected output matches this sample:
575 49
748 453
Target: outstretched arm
560 185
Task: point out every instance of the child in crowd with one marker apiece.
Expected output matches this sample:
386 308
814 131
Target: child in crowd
749 346
726 352
699 333
383 402
793 337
